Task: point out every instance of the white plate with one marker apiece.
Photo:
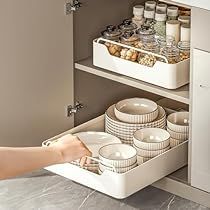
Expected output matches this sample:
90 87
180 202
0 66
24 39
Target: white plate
95 140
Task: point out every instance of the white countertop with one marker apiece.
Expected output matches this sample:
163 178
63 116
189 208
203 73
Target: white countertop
204 4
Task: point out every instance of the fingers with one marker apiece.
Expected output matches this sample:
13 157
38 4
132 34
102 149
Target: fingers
82 161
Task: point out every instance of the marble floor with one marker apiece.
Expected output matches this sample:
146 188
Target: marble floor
45 191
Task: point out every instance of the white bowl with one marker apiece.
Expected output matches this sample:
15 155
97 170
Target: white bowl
178 136
150 153
111 118
151 138
136 110
178 122
141 160
118 155
102 168
175 142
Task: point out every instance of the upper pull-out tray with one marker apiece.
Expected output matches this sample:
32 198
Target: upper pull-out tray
122 185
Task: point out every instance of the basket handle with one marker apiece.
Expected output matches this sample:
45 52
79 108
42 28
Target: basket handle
133 48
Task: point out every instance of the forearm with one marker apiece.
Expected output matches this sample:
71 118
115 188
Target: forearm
16 161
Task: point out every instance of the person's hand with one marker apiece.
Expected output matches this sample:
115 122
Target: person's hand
71 148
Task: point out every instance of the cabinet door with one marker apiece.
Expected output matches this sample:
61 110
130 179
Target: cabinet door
36 70
200 169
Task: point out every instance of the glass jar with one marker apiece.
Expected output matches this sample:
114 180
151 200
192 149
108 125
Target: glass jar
127 25
161 7
172 12
162 40
149 15
111 33
150 5
184 50
129 38
160 24
147 37
171 52
138 18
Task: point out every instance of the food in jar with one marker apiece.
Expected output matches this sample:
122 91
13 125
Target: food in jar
129 38
146 59
114 49
160 24
127 25
129 54
111 33
184 50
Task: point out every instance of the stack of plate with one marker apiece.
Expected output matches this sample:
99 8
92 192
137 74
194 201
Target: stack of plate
150 142
118 158
124 125
178 127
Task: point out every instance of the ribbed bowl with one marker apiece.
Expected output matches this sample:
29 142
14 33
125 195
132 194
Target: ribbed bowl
136 110
141 160
151 139
118 155
175 142
177 135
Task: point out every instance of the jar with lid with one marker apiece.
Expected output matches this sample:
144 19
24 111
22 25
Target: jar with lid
161 7
160 23
162 40
127 25
149 15
171 52
172 12
184 50
138 18
147 37
150 5
113 34
129 38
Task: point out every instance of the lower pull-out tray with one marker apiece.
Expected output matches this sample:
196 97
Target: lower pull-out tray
122 185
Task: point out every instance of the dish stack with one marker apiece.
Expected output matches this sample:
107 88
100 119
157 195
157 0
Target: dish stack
127 116
178 127
150 142
118 158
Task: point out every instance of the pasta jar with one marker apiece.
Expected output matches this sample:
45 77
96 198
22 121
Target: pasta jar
147 37
129 38
138 12
127 25
171 52
184 50
172 12
160 24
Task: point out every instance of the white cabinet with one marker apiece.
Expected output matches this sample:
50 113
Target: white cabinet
200 157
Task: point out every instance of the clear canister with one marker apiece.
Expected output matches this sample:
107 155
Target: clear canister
127 25
129 38
111 33
184 50
138 15
160 23
172 13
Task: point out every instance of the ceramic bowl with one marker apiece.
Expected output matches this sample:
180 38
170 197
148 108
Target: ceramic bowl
112 119
175 142
151 139
117 169
150 153
136 110
178 122
178 136
118 155
141 160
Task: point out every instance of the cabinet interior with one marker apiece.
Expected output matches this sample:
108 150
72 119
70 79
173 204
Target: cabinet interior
104 90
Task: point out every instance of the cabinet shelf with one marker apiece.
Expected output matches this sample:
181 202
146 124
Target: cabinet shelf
180 94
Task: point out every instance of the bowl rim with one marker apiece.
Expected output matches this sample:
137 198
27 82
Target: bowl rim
117 159
134 164
179 133
176 113
148 113
140 140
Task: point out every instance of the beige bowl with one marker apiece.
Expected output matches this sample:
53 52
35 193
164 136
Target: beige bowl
175 142
141 160
136 110
178 122
118 155
150 153
178 136
151 138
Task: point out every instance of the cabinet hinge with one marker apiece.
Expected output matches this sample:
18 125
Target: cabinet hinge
72 6
74 109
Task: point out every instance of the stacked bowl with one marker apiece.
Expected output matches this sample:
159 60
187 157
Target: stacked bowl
129 115
118 158
150 142
178 127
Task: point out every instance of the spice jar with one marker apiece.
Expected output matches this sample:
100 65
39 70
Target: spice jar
138 12
172 12
184 50
113 34
160 24
127 25
149 15
161 7
173 29
162 40
185 32
129 38
171 52
129 54
150 5
147 37
184 19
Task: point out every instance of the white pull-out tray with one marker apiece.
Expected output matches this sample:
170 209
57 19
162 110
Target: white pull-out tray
122 185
